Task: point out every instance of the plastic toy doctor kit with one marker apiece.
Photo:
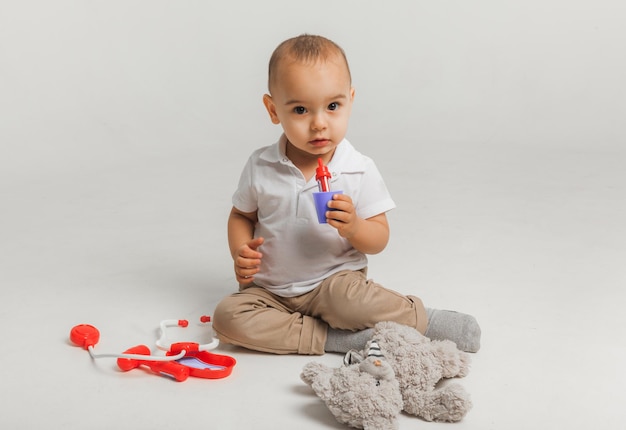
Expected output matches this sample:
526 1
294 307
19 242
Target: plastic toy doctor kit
324 195
182 359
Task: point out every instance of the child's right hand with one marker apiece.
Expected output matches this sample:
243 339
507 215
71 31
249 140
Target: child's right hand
247 261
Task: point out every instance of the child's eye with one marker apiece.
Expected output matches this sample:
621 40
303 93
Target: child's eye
299 110
333 106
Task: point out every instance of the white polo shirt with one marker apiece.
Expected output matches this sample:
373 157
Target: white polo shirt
298 252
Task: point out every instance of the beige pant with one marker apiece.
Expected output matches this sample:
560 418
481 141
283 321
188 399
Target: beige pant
257 319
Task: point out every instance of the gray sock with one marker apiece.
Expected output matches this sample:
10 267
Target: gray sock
461 329
345 340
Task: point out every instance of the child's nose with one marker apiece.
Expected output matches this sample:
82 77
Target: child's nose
319 122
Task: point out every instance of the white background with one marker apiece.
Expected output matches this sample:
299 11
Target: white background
498 125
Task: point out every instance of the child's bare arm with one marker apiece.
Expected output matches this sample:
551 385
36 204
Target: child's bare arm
370 236
243 246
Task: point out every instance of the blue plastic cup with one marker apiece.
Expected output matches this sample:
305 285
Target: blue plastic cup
321 204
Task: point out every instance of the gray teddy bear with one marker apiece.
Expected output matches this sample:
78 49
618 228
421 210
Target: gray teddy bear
397 371
364 395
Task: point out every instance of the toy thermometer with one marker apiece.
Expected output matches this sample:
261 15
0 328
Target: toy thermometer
322 176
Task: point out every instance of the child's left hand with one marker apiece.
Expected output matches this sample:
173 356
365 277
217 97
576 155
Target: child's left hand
343 216
369 236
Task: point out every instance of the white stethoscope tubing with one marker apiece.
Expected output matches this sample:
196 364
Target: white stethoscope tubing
163 344
137 356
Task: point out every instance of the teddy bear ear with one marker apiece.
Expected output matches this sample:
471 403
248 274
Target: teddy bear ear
352 357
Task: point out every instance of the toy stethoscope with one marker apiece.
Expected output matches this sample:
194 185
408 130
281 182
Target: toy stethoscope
182 359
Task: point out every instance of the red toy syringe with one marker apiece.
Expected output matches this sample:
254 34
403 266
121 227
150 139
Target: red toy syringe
322 176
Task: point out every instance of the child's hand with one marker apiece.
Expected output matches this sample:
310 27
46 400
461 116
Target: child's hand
370 236
247 261
343 217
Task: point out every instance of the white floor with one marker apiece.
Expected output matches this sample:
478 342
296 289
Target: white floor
531 241
123 129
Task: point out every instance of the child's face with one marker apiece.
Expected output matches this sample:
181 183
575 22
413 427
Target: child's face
312 102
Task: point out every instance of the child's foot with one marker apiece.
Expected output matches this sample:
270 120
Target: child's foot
461 329
346 340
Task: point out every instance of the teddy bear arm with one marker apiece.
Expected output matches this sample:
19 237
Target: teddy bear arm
454 362
449 403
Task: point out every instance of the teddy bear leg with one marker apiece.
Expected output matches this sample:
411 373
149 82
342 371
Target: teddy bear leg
317 376
447 404
455 363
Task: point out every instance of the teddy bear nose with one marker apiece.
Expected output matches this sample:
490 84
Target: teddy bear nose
377 363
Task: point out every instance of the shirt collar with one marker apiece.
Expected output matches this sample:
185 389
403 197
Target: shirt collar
345 159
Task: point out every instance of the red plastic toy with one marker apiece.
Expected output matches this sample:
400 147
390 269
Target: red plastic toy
182 359
322 176
201 362
173 369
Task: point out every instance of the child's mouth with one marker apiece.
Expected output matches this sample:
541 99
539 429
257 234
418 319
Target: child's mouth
319 142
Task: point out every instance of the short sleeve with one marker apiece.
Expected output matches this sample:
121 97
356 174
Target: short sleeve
374 197
245 196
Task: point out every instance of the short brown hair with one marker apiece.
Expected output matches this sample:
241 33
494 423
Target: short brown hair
305 48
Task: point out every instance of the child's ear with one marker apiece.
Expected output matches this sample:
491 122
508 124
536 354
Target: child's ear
271 108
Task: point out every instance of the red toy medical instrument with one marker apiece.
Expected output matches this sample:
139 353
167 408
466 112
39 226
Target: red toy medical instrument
201 362
173 369
182 359
322 176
